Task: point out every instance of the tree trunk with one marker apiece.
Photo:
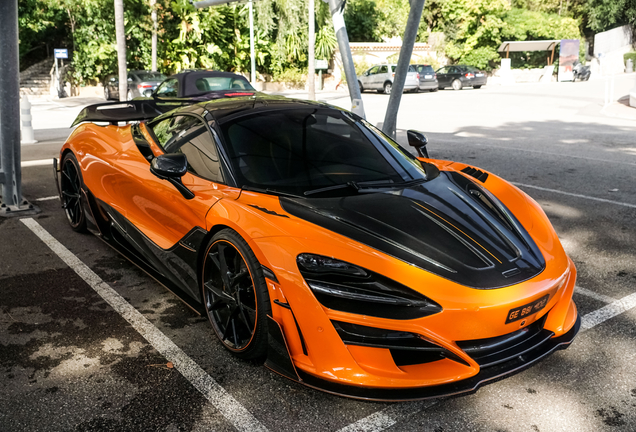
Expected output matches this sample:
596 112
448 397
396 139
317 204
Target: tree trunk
153 15
120 33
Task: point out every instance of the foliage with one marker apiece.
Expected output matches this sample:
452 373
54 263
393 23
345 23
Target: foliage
361 18
41 30
607 14
630 55
293 77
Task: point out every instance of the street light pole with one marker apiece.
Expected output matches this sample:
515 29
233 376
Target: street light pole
311 66
410 33
252 55
120 35
10 151
336 7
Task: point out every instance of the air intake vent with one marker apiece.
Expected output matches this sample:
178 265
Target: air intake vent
474 172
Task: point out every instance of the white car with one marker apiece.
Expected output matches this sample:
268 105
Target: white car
380 78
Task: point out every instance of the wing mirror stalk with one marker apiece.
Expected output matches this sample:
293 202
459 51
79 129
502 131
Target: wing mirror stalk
172 167
418 140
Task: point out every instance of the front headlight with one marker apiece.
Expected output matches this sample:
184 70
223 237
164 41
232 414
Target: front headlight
345 287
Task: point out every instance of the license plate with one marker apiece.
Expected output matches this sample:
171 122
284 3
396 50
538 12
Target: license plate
479 75
526 310
428 76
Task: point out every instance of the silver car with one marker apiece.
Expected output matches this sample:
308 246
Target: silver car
380 78
139 82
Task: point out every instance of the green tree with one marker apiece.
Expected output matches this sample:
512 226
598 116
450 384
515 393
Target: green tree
607 14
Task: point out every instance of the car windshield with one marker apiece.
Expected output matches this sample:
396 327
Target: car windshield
222 83
302 151
151 76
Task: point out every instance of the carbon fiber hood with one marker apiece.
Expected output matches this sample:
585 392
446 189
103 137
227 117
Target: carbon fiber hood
449 226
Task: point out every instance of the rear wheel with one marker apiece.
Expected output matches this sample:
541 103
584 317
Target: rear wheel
235 295
476 87
361 88
71 188
106 93
457 85
388 87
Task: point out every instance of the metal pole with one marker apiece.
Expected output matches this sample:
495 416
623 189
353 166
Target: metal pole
153 15
412 24
336 7
252 55
120 33
311 66
10 157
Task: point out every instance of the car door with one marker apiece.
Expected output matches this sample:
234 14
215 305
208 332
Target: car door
367 78
380 78
443 77
163 219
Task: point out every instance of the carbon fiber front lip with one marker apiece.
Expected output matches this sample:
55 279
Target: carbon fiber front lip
469 385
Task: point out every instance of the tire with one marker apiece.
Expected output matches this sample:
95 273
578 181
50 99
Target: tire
456 84
361 87
477 87
433 90
71 188
237 305
106 93
387 88
129 95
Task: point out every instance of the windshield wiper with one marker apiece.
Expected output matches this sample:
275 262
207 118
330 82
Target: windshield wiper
364 185
268 191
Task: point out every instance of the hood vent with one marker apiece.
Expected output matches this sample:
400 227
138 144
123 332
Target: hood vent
474 172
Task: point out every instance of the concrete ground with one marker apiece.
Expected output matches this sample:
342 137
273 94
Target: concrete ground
87 341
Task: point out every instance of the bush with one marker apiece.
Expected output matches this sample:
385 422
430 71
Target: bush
294 78
630 55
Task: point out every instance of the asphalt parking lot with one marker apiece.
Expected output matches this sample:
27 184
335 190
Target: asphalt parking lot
89 342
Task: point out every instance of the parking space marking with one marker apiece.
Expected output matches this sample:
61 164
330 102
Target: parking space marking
387 417
611 310
39 162
594 295
229 407
575 195
48 198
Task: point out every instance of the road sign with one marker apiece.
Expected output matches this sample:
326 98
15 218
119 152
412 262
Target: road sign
61 53
322 64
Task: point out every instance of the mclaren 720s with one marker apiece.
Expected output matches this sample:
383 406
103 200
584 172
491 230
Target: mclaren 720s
317 244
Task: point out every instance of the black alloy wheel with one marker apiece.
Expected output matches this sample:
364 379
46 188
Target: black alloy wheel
235 295
388 87
71 188
457 84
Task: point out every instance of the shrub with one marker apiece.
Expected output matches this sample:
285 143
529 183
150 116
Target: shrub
293 77
630 55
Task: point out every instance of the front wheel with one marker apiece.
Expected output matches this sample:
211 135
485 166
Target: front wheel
387 88
361 88
235 295
457 85
106 93
477 87
71 188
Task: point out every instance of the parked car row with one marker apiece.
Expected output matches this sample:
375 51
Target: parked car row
422 77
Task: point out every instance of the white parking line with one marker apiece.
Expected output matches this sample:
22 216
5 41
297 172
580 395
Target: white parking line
387 417
594 295
575 195
39 162
606 312
48 198
229 407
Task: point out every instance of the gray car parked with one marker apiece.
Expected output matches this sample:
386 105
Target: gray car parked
138 82
380 78
428 77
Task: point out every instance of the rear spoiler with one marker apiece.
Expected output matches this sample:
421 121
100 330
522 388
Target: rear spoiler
115 112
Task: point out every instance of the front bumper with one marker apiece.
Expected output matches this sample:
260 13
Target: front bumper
469 385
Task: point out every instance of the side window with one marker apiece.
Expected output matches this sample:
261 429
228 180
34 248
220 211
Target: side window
169 88
373 70
453 70
189 136
383 70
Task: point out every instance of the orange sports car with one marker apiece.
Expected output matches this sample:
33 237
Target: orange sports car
316 243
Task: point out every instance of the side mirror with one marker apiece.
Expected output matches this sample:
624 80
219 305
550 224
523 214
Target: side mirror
172 167
419 141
